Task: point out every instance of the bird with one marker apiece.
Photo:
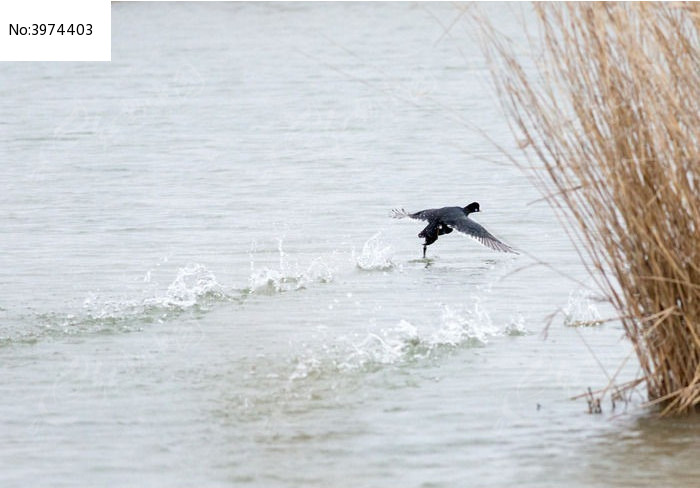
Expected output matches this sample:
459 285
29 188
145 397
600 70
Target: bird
446 219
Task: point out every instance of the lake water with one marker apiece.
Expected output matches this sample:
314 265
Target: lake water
200 283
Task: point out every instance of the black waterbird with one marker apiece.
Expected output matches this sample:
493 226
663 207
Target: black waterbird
446 219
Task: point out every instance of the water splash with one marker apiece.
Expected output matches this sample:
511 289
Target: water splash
387 346
472 324
580 311
327 361
375 255
400 344
192 285
516 326
194 288
288 276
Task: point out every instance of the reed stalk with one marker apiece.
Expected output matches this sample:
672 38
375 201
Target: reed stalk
609 117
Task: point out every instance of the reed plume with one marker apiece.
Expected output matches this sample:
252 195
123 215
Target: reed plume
609 116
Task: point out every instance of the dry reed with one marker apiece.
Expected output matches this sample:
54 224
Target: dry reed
609 116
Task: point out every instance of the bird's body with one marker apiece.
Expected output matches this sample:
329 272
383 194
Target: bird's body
446 219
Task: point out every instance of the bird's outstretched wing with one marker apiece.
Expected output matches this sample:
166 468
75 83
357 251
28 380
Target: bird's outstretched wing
400 213
467 226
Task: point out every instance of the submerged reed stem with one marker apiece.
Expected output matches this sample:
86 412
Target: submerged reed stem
609 117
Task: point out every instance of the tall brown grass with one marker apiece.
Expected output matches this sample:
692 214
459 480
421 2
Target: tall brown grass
610 117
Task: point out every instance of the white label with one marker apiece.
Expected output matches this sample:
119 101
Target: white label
55 30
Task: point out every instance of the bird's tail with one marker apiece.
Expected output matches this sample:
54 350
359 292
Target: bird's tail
398 213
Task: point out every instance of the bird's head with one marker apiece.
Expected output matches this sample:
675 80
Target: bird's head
471 208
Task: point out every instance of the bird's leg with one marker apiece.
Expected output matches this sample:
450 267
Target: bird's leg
430 234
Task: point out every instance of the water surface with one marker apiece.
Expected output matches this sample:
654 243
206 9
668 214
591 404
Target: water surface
200 284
